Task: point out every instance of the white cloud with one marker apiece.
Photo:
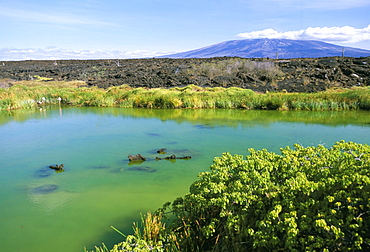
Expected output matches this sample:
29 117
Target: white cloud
51 18
345 34
52 53
316 4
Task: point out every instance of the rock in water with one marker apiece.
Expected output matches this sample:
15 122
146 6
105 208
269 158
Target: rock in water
137 157
57 167
161 151
172 157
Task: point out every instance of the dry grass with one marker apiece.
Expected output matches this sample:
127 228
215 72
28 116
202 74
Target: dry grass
55 84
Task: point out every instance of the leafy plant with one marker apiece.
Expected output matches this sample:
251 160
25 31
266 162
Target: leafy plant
305 199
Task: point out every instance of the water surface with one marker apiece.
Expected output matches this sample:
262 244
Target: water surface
42 210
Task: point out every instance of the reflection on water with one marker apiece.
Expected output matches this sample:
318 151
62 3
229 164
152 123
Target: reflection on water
209 117
99 187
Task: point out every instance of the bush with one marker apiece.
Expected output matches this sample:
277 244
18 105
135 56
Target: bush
305 199
265 70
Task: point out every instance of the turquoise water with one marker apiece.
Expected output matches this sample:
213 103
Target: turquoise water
42 210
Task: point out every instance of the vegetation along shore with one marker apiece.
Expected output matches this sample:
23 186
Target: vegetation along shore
29 94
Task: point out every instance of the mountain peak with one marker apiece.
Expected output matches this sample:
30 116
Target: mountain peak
272 48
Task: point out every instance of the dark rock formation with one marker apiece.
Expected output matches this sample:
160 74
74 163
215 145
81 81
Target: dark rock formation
161 151
172 157
296 75
57 167
137 157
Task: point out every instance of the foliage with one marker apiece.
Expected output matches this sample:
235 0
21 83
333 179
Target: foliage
304 199
33 95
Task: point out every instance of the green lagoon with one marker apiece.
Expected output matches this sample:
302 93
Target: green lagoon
42 210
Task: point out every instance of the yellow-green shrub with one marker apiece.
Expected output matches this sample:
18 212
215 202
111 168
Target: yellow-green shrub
304 199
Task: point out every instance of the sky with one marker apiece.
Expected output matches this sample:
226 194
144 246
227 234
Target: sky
102 29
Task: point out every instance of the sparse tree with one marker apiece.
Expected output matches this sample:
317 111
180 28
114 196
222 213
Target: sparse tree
117 62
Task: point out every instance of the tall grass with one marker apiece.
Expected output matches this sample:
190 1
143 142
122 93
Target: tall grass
191 97
149 236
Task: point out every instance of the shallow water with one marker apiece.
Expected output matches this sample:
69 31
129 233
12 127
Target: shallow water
42 210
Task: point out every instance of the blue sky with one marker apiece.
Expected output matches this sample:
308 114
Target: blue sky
66 29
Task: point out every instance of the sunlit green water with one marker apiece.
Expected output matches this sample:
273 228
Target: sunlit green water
99 187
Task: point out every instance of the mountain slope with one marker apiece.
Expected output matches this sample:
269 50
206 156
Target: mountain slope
271 48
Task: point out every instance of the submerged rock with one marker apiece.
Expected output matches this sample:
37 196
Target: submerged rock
142 168
44 189
100 167
203 126
154 135
43 173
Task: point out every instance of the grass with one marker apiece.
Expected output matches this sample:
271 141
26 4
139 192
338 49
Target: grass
149 236
45 82
29 94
